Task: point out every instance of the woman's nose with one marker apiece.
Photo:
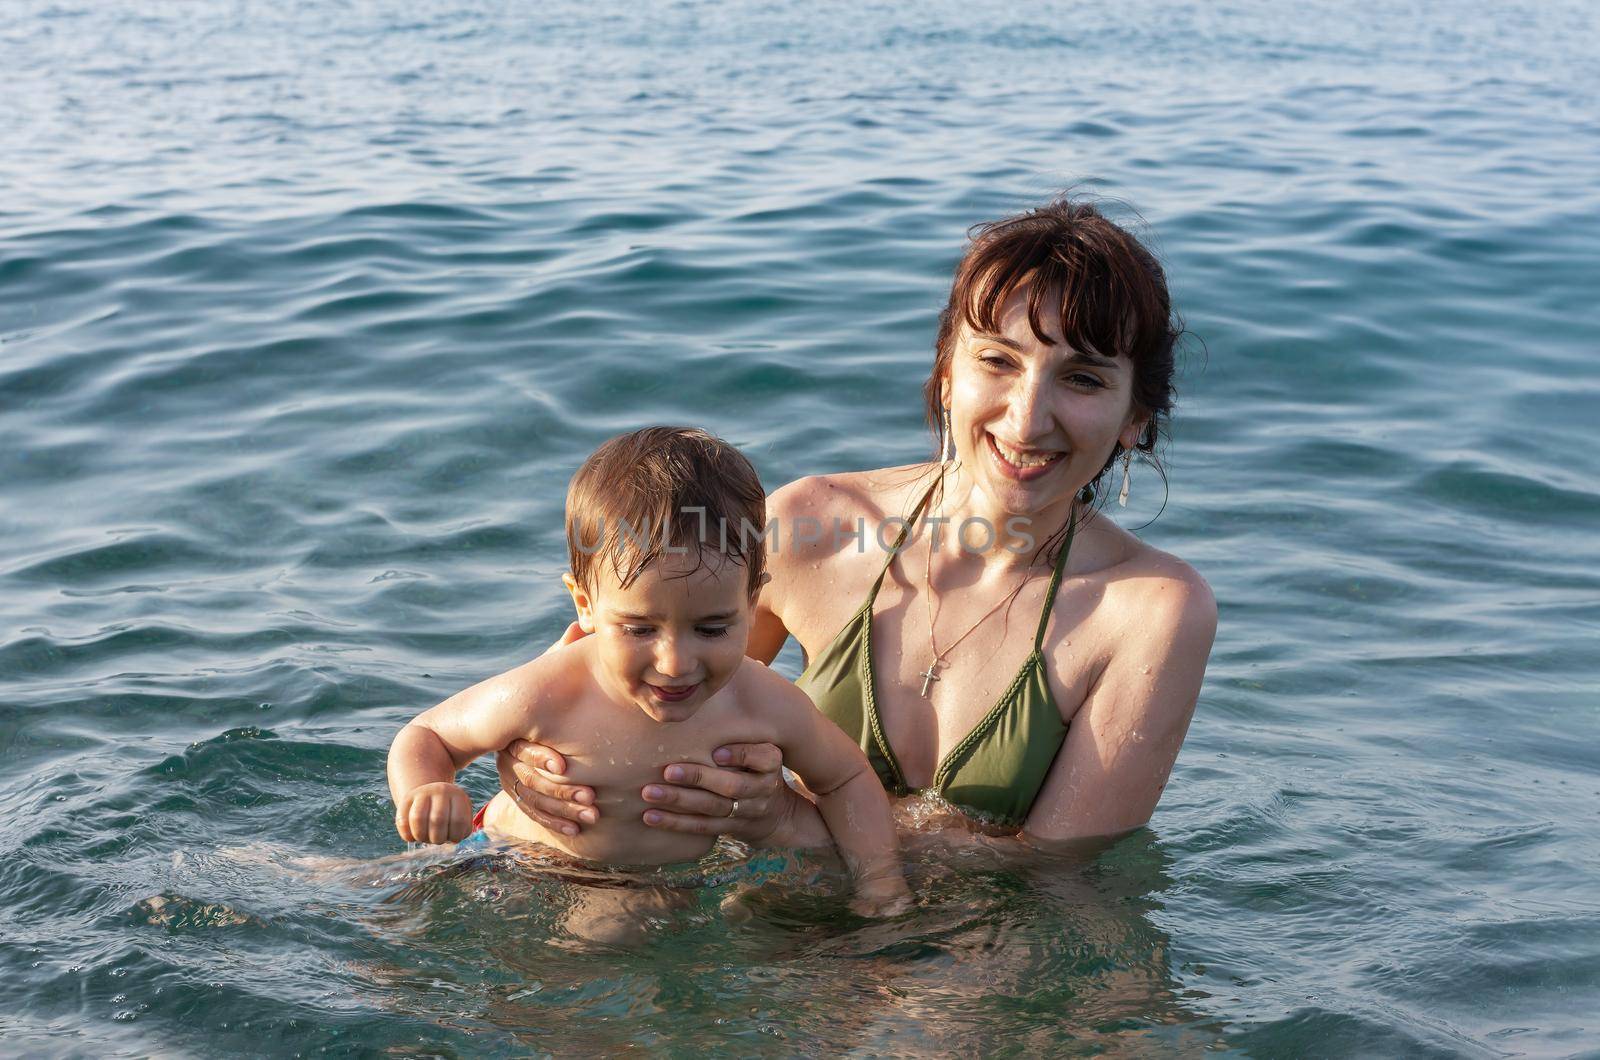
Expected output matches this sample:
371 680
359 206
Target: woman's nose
1028 414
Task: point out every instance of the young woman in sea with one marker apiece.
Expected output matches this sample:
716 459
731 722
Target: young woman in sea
1014 650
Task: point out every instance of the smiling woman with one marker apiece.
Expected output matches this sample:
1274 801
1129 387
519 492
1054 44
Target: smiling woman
1042 679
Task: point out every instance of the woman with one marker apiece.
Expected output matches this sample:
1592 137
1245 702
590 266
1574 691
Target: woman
1016 651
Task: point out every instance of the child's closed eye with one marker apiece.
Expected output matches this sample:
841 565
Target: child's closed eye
712 631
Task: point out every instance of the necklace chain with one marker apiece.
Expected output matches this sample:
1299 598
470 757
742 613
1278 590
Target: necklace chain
931 675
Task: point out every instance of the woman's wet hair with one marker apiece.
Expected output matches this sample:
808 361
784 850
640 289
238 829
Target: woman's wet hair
1101 287
649 491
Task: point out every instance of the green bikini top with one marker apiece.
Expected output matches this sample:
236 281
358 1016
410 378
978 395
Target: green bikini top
996 772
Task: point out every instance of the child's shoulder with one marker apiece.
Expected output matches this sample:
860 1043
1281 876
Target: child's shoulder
784 715
761 690
557 676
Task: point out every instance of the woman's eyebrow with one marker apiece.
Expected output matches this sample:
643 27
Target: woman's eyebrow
1094 360
1000 340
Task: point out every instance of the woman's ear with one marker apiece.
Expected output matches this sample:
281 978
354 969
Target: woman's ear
1134 431
581 601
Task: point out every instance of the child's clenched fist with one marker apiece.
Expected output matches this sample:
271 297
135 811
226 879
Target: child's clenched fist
434 813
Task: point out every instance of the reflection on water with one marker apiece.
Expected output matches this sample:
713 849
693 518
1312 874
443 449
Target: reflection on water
309 310
1007 949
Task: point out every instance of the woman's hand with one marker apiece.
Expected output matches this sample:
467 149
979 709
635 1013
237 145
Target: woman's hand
743 796
533 775
570 635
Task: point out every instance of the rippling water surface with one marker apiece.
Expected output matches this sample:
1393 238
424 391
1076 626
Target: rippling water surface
308 311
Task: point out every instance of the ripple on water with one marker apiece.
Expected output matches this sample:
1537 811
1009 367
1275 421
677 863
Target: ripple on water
292 383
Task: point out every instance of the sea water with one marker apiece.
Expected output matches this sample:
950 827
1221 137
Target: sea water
309 310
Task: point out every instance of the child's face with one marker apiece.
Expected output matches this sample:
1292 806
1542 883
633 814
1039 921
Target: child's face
675 636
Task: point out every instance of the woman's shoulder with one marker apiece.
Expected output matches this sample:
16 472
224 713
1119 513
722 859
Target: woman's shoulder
843 498
1170 597
1152 614
845 516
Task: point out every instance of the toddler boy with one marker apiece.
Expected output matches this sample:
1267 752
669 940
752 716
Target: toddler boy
664 537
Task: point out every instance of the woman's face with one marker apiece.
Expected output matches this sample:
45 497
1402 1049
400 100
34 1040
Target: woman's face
1035 421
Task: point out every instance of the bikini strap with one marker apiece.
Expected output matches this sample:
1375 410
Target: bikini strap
899 541
1055 582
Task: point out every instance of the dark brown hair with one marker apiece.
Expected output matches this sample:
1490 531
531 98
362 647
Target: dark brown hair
1107 293
679 487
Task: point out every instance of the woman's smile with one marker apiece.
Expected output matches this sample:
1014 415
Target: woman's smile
1020 463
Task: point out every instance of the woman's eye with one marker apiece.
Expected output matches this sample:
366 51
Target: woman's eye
1089 382
991 360
713 631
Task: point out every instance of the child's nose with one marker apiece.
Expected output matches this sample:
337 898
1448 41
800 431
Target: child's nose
672 659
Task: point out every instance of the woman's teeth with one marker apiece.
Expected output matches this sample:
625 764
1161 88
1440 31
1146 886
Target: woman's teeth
1018 458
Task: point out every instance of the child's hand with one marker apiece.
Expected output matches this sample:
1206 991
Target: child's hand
434 813
883 897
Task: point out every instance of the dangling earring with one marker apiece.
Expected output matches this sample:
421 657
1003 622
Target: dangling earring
947 441
1127 465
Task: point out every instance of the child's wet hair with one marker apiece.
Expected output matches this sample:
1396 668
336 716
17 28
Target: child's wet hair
659 488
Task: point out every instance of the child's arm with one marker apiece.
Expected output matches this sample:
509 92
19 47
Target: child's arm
429 806
849 797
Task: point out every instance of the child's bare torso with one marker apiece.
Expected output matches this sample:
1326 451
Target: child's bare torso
617 749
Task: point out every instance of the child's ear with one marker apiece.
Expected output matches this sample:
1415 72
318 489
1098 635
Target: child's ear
582 601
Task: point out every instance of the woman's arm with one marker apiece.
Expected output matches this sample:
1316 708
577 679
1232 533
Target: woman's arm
767 634
1125 738
787 506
